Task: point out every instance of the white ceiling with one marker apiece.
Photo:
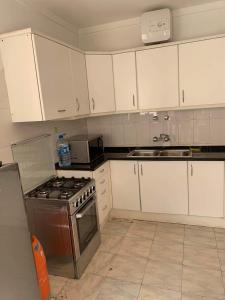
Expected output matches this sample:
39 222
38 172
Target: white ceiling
84 13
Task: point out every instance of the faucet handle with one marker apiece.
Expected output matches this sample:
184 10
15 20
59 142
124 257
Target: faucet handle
166 138
155 139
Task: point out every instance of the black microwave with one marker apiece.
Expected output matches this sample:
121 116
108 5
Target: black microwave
86 148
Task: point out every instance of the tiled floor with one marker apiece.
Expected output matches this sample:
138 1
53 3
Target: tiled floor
151 261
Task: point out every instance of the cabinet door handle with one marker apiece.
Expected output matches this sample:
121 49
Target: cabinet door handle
103 181
102 170
141 170
133 100
93 103
183 96
192 170
134 169
78 104
61 110
103 193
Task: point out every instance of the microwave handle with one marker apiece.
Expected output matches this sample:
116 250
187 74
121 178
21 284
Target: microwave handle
82 213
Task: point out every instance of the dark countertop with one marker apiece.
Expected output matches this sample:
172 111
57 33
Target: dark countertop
204 153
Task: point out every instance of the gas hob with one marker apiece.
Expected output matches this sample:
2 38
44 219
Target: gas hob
74 191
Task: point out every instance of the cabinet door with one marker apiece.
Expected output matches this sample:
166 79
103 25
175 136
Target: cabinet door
202 70
125 185
124 69
206 188
79 82
100 83
157 77
54 76
163 187
21 80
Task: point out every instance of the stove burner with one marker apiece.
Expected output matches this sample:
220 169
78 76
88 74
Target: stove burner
66 194
57 183
42 194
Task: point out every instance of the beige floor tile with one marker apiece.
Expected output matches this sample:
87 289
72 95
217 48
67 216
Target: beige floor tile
154 293
163 275
116 227
110 243
172 228
86 288
169 236
190 232
142 230
220 240
202 282
167 252
118 290
56 284
135 247
199 240
100 264
196 227
127 268
201 257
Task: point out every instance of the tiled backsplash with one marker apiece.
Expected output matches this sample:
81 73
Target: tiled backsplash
189 127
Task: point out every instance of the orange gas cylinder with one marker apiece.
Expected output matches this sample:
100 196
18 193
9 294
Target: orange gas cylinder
41 267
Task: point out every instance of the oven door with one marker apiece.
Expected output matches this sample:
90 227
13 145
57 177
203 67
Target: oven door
87 223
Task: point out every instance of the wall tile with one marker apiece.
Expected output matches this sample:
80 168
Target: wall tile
202 131
186 132
201 114
217 133
217 113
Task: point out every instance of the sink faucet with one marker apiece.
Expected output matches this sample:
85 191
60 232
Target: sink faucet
163 137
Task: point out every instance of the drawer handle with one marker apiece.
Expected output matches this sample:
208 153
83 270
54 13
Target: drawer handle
133 100
103 181
105 207
102 170
103 193
61 110
183 96
93 103
78 104
192 171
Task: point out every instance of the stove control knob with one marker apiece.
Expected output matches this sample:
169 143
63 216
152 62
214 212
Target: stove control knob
81 199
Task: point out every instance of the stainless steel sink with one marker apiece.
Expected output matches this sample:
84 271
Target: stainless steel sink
176 153
160 153
144 153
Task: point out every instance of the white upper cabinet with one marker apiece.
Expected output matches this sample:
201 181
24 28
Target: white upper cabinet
202 71
157 77
39 78
206 188
163 187
124 68
21 80
100 83
125 185
54 77
79 83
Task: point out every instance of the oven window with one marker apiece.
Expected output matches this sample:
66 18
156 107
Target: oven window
87 224
96 148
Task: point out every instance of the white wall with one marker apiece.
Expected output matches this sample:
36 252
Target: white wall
13 16
192 22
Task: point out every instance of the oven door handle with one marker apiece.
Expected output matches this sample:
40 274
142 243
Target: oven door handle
82 213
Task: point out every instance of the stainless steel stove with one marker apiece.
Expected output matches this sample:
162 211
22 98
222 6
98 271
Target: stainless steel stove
61 212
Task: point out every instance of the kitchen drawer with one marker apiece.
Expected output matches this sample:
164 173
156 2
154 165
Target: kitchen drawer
102 185
102 171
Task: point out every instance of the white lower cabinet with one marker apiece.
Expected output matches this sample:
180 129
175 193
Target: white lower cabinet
125 185
163 187
206 188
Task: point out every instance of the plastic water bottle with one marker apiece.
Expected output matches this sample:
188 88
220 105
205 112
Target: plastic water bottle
63 151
